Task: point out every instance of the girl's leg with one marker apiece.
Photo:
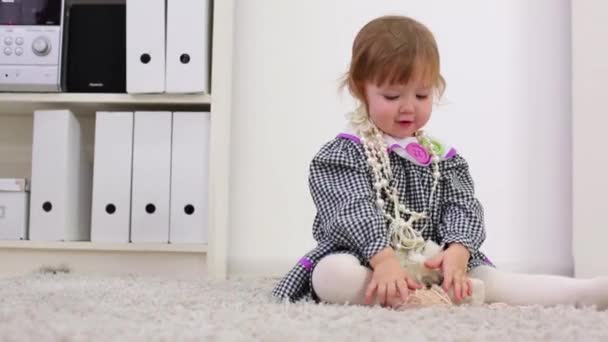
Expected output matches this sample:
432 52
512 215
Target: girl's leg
546 290
340 279
478 293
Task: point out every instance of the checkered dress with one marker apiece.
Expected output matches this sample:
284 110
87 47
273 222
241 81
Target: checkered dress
347 220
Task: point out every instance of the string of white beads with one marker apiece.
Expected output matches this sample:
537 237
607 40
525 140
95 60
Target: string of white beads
404 238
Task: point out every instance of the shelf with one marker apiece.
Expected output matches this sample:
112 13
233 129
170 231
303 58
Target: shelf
155 259
102 246
104 98
87 103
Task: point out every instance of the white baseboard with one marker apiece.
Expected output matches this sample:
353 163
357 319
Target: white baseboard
277 267
260 267
536 267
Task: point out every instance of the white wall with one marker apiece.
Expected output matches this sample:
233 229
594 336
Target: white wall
16 143
507 110
589 75
16 146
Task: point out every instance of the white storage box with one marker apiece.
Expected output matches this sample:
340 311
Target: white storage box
14 209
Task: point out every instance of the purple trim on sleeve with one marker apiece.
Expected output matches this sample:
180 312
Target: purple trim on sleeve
350 137
451 154
487 260
306 263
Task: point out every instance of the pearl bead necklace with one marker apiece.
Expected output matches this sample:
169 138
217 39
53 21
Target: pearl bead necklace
403 237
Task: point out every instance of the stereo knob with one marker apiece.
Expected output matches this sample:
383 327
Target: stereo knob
41 46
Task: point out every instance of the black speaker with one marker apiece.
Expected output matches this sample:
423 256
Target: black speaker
95 58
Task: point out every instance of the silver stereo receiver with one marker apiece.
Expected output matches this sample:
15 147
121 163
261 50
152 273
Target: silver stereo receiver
30 45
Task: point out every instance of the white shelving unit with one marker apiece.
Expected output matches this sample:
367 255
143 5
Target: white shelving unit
179 260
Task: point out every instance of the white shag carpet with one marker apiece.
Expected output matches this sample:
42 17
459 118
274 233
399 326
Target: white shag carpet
68 307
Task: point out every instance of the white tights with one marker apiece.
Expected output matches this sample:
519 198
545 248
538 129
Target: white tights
340 278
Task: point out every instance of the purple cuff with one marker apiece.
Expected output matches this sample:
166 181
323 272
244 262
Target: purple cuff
306 263
487 260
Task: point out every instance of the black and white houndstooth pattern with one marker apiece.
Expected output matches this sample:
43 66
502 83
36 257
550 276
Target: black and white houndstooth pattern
347 219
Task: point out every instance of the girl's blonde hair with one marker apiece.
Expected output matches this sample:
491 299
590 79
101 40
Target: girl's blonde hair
388 50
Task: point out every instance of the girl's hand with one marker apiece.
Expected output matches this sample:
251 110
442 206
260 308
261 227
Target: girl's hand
389 281
453 263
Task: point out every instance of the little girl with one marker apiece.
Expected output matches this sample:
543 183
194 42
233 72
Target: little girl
384 191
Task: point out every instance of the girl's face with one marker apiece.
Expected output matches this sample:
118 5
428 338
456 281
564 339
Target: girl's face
399 110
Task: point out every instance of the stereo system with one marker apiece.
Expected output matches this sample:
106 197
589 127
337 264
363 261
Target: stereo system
139 46
30 45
